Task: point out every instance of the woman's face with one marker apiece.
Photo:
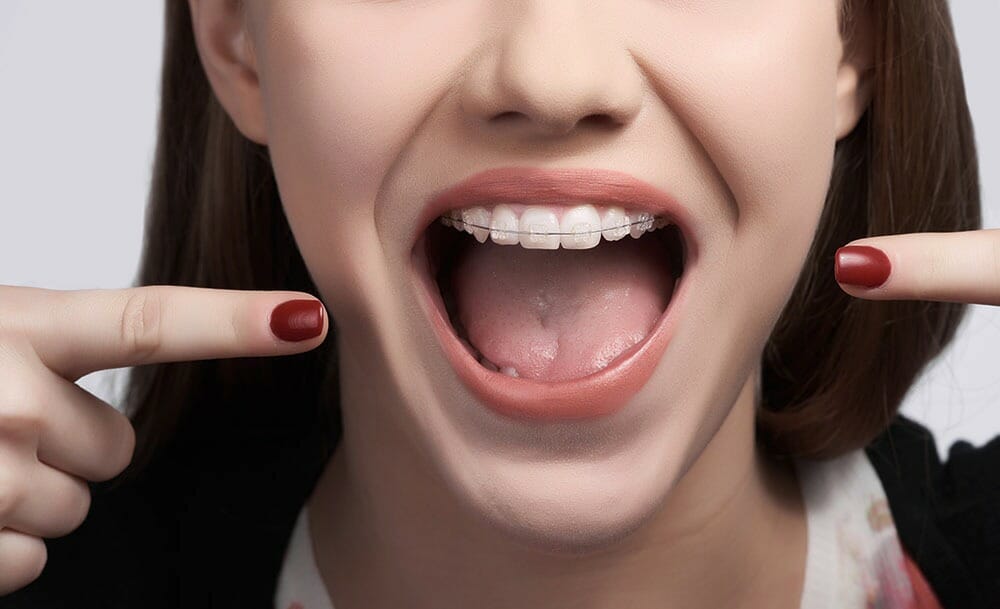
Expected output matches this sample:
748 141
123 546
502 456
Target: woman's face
371 108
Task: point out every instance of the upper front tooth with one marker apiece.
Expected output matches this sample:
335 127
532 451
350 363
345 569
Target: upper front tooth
581 228
504 225
614 224
536 225
541 227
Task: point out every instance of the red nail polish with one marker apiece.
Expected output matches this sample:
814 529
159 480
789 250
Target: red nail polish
862 265
297 320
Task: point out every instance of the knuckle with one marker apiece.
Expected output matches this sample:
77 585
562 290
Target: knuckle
37 557
141 321
127 445
22 561
20 411
78 508
124 449
11 493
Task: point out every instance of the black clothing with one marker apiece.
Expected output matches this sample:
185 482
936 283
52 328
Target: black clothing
947 515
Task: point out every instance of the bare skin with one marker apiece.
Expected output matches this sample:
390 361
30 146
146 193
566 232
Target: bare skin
392 543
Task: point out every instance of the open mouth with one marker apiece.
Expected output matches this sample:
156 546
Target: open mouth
536 307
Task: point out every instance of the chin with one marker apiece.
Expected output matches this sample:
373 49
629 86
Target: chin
578 506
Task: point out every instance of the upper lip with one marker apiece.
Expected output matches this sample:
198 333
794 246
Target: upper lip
538 186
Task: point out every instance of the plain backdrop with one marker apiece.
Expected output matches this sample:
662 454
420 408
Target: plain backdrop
79 85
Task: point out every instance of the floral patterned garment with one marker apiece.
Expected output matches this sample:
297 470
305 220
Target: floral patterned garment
854 558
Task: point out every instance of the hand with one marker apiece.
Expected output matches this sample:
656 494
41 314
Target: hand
952 267
54 435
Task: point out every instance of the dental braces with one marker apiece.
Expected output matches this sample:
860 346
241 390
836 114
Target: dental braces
649 224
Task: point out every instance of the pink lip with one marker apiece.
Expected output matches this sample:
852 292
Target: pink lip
603 392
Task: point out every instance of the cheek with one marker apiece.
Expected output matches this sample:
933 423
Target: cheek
755 84
756 92
766 118
344 87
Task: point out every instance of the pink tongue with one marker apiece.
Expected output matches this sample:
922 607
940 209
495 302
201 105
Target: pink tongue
560 314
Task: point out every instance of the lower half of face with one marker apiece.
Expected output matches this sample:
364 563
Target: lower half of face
562 348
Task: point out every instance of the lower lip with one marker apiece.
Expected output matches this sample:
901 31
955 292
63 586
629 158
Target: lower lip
599 394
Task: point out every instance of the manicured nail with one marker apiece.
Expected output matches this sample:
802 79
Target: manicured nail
296 320
862 265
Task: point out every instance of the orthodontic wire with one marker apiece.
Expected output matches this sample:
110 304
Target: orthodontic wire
654 223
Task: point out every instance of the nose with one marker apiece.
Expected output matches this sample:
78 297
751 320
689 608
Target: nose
554 65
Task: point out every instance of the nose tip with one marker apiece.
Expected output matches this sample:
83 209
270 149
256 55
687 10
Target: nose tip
555 69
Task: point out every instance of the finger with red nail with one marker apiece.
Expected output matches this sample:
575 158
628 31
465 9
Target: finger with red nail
953 267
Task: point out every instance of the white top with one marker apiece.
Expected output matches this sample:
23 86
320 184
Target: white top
299 584
854 559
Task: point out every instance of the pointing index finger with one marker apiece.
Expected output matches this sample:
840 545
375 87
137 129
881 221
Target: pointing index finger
951 267
88 330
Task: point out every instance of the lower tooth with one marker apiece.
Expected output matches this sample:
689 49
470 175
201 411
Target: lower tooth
509 371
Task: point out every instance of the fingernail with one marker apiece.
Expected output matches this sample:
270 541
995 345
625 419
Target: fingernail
296 320
862 265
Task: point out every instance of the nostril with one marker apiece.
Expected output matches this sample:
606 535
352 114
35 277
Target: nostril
599 120
506 117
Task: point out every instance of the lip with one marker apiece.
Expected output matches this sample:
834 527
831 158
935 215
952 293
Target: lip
601 393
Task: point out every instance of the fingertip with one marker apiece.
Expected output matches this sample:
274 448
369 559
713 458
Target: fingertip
298 320
861 266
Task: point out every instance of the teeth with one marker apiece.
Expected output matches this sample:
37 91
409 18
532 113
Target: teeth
549 227
504 226
466 220
581 228
614 224
508 370
641 223
537 224
477 221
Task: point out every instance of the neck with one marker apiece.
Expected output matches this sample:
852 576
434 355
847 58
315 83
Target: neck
387 533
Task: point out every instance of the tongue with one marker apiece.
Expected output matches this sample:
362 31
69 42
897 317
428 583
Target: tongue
560 314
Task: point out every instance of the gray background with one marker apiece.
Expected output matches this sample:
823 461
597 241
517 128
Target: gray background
78 101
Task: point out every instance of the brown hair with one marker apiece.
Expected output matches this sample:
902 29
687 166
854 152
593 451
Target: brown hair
835 368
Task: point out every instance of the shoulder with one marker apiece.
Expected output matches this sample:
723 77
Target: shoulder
947 514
